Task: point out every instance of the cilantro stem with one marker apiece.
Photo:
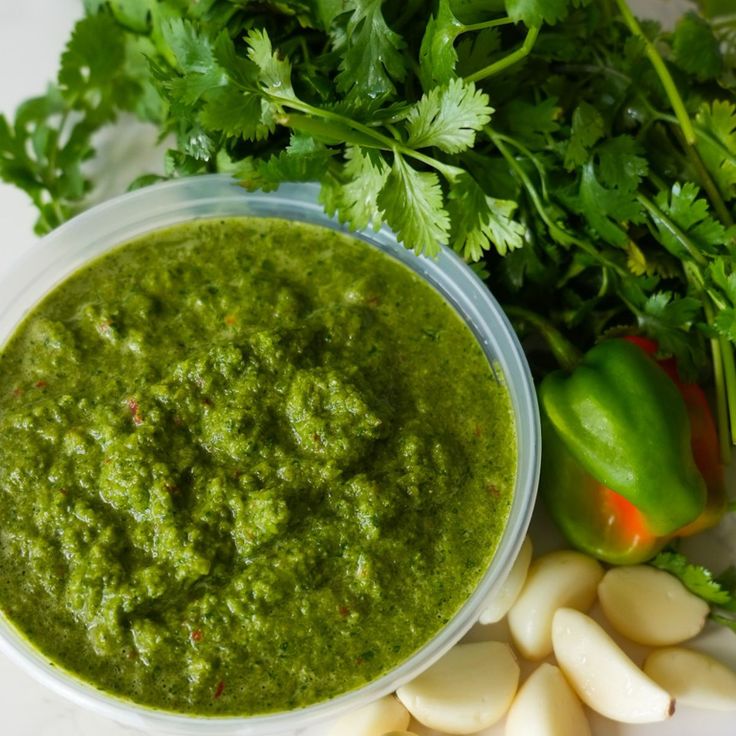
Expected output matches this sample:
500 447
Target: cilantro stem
723 21
719 618
706 181
561 235
709 185
565 353
722 412
524 151
724 366
54 153
662 72
729 370
597 69
661 219
515 56
702 135
486 24
382 141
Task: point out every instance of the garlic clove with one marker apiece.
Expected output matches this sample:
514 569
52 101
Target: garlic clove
546 705
601 673
695 679
469 689
374 719
559 579
650 606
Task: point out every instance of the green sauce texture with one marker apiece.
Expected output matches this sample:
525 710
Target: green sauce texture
245 465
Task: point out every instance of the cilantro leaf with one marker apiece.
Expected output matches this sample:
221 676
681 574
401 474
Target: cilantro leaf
480 221
275 72
235 113
620 163
607 210
587 129
97 47
437 55
668 318
133 14
725 323
725 280
371 54
719 122
673 311
413 205
191 48
304 159
448 117
43 152
477 51
696 49
537 12
356 200
691 215
195 58
530 123
697 579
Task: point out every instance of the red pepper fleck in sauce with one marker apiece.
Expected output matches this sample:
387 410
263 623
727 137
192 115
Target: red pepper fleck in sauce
196 635
40 384
218 690
493 491
344 611
135 411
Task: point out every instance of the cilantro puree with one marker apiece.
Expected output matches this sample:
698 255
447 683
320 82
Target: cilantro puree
245 465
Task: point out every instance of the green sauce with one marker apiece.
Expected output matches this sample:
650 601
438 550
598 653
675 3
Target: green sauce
245 465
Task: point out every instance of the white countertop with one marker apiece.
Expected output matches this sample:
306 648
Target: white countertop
32 35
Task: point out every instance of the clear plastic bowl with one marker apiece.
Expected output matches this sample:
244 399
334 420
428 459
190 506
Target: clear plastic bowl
62 252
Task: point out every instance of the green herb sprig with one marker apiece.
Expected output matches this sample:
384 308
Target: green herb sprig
719 592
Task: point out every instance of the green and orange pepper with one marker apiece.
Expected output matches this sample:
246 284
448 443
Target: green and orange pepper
630 456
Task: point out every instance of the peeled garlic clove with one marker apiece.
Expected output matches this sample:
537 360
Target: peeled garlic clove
546 706
650 606
498 604
602 675
374 719
469 689
557 580
693 678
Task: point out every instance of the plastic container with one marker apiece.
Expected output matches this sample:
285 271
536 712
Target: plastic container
57 255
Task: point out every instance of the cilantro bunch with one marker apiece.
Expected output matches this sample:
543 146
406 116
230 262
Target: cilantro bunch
582 160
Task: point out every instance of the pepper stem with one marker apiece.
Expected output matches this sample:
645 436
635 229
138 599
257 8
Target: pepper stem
566 354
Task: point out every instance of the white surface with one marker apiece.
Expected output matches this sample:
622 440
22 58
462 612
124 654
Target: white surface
32 34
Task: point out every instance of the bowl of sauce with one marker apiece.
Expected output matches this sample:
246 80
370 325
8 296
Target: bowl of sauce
254 470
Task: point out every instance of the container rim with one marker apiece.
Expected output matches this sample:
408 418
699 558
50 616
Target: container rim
49 261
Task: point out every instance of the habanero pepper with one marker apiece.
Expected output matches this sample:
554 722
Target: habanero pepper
703 439
630 454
